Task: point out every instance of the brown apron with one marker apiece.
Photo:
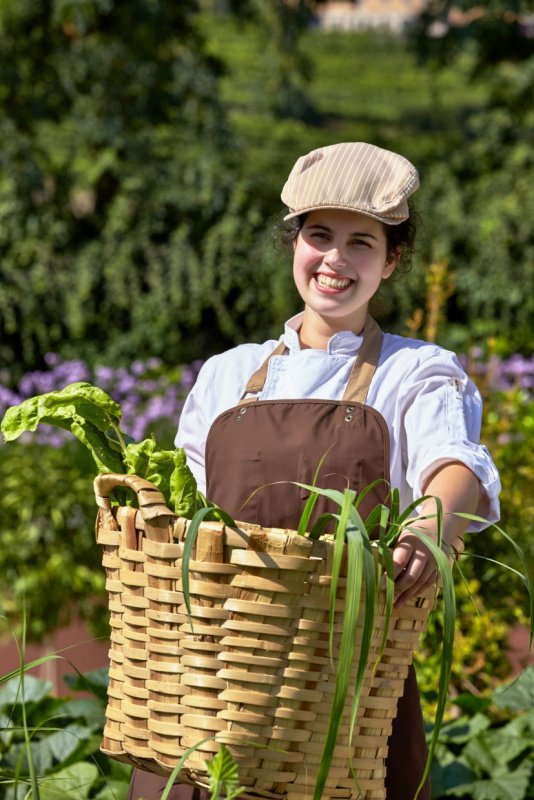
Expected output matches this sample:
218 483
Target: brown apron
254 454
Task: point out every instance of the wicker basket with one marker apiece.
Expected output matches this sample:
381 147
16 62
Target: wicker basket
254 671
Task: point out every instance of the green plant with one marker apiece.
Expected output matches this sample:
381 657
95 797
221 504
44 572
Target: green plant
49 746
48 560
94 418
487 752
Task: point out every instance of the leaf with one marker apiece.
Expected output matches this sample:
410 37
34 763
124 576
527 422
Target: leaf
95 681
462 730
113 790
66 740
349 527
447 776
508 786
518 695
137 456
471 703
168 471
183 487
223 772
85 708
87 411
449 611
495 748
72 783
75 401
190 539
34 691
42 755
106 459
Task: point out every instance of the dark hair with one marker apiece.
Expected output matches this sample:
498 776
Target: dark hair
397 236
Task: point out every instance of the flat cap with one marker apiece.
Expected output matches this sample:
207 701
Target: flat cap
354 176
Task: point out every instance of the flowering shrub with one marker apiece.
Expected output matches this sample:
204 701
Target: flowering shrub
151 396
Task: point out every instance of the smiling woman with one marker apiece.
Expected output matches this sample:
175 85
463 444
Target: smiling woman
368 407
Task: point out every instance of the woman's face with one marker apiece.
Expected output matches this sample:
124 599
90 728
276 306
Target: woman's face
340 258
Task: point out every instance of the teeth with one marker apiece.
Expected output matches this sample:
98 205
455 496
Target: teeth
334 283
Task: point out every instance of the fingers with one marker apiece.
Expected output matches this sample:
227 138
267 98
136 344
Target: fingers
414 568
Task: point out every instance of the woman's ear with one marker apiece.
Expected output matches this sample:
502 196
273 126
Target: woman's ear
393 259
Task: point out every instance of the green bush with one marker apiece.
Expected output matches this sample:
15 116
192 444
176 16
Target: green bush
49 561
487 752
63 738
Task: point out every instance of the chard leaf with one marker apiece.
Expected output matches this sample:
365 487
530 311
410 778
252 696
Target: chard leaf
183 486
168 471
103 452
60 408
137 456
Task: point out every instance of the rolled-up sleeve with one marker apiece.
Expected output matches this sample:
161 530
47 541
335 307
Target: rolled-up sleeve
442 413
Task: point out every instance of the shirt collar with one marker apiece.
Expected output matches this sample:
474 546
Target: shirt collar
341 343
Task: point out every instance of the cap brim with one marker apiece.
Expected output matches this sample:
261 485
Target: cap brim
385 220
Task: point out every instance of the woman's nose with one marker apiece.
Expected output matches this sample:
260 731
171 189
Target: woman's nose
334 258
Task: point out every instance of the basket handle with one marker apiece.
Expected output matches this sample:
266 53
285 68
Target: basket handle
152 504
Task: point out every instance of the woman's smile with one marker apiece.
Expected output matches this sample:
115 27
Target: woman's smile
332 284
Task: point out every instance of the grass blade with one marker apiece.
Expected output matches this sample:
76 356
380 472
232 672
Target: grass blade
449 618
341 529
190 539
346 654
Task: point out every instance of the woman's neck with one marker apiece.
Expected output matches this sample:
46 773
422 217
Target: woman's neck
316 331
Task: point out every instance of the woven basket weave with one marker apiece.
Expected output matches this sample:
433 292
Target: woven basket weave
254 671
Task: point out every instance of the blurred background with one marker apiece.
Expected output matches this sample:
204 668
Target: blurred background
144 145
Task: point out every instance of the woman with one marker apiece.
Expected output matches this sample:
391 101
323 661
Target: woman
373 405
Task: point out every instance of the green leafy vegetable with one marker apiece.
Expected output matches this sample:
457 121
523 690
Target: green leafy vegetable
94 418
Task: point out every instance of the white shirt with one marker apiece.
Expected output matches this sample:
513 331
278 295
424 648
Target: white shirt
432 409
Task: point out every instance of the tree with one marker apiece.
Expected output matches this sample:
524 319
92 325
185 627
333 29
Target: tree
484 190
127 227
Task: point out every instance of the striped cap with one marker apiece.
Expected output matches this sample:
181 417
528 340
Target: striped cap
354 176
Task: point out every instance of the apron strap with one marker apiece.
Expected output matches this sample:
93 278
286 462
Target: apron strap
256 382
364 366
360 377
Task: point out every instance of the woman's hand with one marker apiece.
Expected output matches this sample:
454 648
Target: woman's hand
414 568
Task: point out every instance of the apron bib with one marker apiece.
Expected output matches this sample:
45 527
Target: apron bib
254 454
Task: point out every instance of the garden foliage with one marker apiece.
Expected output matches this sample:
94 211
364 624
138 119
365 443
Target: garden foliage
145 144
486 753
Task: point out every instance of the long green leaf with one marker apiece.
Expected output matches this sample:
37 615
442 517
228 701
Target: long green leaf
312 499
178 768
385 562
370 598
190 539
346 654
369 488
320 525
339 543
449 612
27 738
